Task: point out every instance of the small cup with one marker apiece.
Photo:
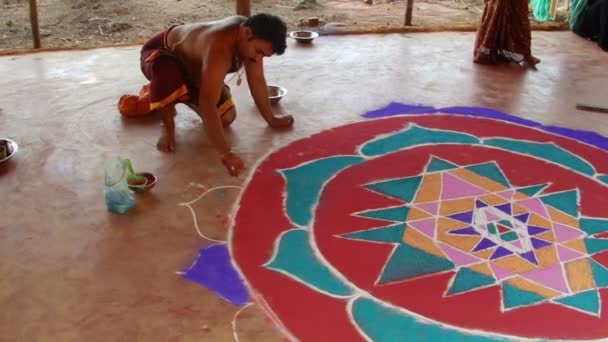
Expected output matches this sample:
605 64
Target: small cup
151 182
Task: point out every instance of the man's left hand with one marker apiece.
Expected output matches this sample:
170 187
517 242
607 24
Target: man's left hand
282 121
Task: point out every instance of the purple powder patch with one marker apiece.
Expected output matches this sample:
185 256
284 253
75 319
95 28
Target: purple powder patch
213 270
395 108
488 113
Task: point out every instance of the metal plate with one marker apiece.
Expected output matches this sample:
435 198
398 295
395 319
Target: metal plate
10 147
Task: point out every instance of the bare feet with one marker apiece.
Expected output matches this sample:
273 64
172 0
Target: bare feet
166 142
531 61
482 58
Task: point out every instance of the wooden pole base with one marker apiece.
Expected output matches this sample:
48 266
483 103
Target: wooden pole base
243 7
34 22
408 12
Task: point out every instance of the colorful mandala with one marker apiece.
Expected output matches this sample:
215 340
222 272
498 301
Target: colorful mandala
424 224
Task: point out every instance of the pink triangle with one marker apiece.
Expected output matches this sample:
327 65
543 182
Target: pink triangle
490 217
459 258
535 205
565 233
517 244
499 272
431 208
426 226
566 254
550 276
508 194
454 187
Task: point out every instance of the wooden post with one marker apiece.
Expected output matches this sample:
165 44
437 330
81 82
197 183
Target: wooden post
243 7
408 12
34 23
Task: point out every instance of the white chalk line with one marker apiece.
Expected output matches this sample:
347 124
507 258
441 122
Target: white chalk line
198 230
187 204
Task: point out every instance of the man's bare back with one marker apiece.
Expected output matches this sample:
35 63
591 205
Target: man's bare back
191 43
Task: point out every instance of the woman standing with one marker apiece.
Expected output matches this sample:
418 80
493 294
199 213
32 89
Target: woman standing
504 34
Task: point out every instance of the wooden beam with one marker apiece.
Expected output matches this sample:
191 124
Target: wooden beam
34 23
408 12
243 7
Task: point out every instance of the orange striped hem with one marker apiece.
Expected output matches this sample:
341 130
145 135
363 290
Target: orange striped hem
225 106
179 92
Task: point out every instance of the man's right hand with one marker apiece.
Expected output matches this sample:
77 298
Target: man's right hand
282 121
233 163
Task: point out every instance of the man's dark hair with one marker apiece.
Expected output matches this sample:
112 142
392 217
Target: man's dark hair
270 28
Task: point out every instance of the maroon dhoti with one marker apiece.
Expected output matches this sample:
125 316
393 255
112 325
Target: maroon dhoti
169 82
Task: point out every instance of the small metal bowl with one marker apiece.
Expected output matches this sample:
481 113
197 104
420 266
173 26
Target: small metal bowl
8 149
276 93
304 36
144 187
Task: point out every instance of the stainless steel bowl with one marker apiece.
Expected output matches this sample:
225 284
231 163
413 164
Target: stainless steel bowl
276 93
303 36
8 149
144 187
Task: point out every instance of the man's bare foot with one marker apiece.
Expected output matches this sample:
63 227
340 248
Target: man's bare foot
531 61
482 58
166 142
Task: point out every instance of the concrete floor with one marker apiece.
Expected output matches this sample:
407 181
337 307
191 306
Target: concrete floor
72 271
